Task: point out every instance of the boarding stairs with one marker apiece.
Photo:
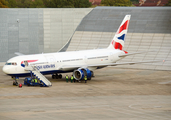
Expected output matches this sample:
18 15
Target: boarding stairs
36 72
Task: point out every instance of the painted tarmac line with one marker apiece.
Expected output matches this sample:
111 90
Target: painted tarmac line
132 112
130 106
167 82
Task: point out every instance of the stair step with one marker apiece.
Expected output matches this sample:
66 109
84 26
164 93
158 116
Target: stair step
37 73
41 78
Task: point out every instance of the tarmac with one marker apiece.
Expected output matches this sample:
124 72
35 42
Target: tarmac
113 94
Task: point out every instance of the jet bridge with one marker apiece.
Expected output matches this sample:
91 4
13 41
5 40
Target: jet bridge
33 70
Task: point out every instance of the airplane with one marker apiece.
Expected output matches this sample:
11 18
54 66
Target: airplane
81 63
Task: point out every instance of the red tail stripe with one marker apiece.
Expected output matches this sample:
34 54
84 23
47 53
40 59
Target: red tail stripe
123 27
118 46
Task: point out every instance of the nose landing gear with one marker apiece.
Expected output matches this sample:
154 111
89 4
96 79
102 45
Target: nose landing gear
15 81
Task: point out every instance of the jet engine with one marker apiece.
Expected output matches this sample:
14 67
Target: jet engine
80 73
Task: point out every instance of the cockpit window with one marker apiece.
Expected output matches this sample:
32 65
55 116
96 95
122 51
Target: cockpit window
13 63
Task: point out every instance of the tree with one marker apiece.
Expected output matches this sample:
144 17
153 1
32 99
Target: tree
116 2
58 3
169 3
23 3
3 4
49 3
37 4
67 3
12 3
82 3
26 4
135 1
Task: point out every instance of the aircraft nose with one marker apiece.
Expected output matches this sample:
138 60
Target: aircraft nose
5 69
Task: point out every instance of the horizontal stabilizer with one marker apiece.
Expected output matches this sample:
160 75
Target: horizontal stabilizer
128 54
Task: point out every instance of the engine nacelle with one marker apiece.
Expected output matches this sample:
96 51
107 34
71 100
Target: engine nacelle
80 73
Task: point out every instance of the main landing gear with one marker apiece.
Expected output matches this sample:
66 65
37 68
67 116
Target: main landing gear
56 76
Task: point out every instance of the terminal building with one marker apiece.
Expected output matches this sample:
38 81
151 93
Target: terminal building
44 30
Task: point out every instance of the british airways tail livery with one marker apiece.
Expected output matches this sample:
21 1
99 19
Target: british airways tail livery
81 63
119 38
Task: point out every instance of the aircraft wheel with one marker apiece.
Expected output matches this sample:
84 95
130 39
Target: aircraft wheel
14 83
60 76
53 77
41 84
92 74
57 76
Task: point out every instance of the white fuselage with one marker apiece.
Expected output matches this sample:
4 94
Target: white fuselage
60 62
53 62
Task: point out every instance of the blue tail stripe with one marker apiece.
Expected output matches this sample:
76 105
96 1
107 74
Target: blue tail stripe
122 37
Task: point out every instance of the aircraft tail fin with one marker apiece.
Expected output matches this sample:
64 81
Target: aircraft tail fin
119 38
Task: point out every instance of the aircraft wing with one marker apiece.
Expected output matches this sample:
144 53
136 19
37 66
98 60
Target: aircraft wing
71 67
127 63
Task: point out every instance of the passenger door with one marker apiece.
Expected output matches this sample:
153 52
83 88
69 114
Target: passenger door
50 59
